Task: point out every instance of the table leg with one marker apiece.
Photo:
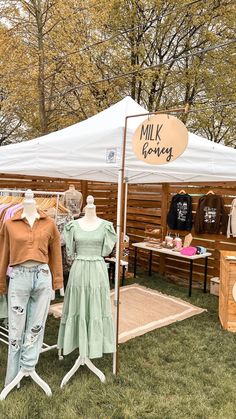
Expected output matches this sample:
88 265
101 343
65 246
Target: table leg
123 276
190 278
205 275
150 264
135 261
162 264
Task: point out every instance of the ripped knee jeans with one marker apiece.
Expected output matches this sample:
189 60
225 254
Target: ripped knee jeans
29 296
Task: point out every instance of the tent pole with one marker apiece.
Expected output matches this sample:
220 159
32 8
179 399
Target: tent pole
126 203
120 208
117 282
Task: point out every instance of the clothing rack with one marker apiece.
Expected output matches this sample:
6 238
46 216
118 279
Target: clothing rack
5 339
3 330
34 192
19 191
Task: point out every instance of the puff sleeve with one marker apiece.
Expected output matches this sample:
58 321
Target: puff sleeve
55 258
68 235
110 239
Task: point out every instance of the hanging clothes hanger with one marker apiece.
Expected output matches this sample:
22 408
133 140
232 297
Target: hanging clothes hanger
46 203
210 193
62 208
43 203
6 199
11 199
182 191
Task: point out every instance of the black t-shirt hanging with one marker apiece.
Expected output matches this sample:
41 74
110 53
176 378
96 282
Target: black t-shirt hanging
180 213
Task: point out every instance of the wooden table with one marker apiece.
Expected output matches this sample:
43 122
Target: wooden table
145 246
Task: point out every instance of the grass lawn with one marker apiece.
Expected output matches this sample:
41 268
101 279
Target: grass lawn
185 370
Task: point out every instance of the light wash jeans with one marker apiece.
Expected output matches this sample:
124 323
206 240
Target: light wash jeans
29 295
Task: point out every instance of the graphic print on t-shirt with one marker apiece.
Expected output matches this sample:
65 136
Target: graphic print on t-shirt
182 210
209 215
73 205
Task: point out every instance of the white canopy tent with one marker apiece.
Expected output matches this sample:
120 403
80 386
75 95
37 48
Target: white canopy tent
81 152
91 150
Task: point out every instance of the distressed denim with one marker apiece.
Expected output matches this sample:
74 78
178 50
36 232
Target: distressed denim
29 295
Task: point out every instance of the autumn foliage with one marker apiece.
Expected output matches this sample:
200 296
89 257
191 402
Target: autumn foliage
63 61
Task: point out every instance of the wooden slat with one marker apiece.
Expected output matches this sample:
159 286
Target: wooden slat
144 197
144 204
147 205
144 211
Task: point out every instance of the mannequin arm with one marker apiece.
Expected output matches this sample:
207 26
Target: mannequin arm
55 260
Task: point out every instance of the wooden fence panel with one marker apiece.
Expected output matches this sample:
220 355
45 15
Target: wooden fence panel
105 199
160 198
147 205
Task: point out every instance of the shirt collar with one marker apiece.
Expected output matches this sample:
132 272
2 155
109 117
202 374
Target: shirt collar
18 214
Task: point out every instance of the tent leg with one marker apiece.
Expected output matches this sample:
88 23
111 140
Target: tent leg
117 274
125 206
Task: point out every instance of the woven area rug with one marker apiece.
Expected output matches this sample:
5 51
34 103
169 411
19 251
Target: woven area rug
143 309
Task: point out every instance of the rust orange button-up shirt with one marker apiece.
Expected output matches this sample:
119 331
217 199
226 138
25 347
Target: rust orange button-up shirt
20 243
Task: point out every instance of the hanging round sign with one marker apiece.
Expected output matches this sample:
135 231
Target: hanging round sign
160 139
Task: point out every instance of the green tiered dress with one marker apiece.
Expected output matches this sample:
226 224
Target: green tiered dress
86 321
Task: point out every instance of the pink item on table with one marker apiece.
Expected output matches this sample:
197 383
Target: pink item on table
188 251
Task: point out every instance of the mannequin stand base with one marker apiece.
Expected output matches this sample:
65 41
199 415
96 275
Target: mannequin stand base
18 378
83 361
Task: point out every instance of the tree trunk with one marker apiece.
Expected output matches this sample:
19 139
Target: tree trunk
41 67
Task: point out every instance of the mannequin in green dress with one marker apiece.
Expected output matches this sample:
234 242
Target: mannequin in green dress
90 238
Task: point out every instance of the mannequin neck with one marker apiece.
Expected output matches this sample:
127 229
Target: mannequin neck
90 221
71 191
30 212
90 215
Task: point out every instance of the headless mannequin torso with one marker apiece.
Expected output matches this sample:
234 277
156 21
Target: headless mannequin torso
73 200
31 214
